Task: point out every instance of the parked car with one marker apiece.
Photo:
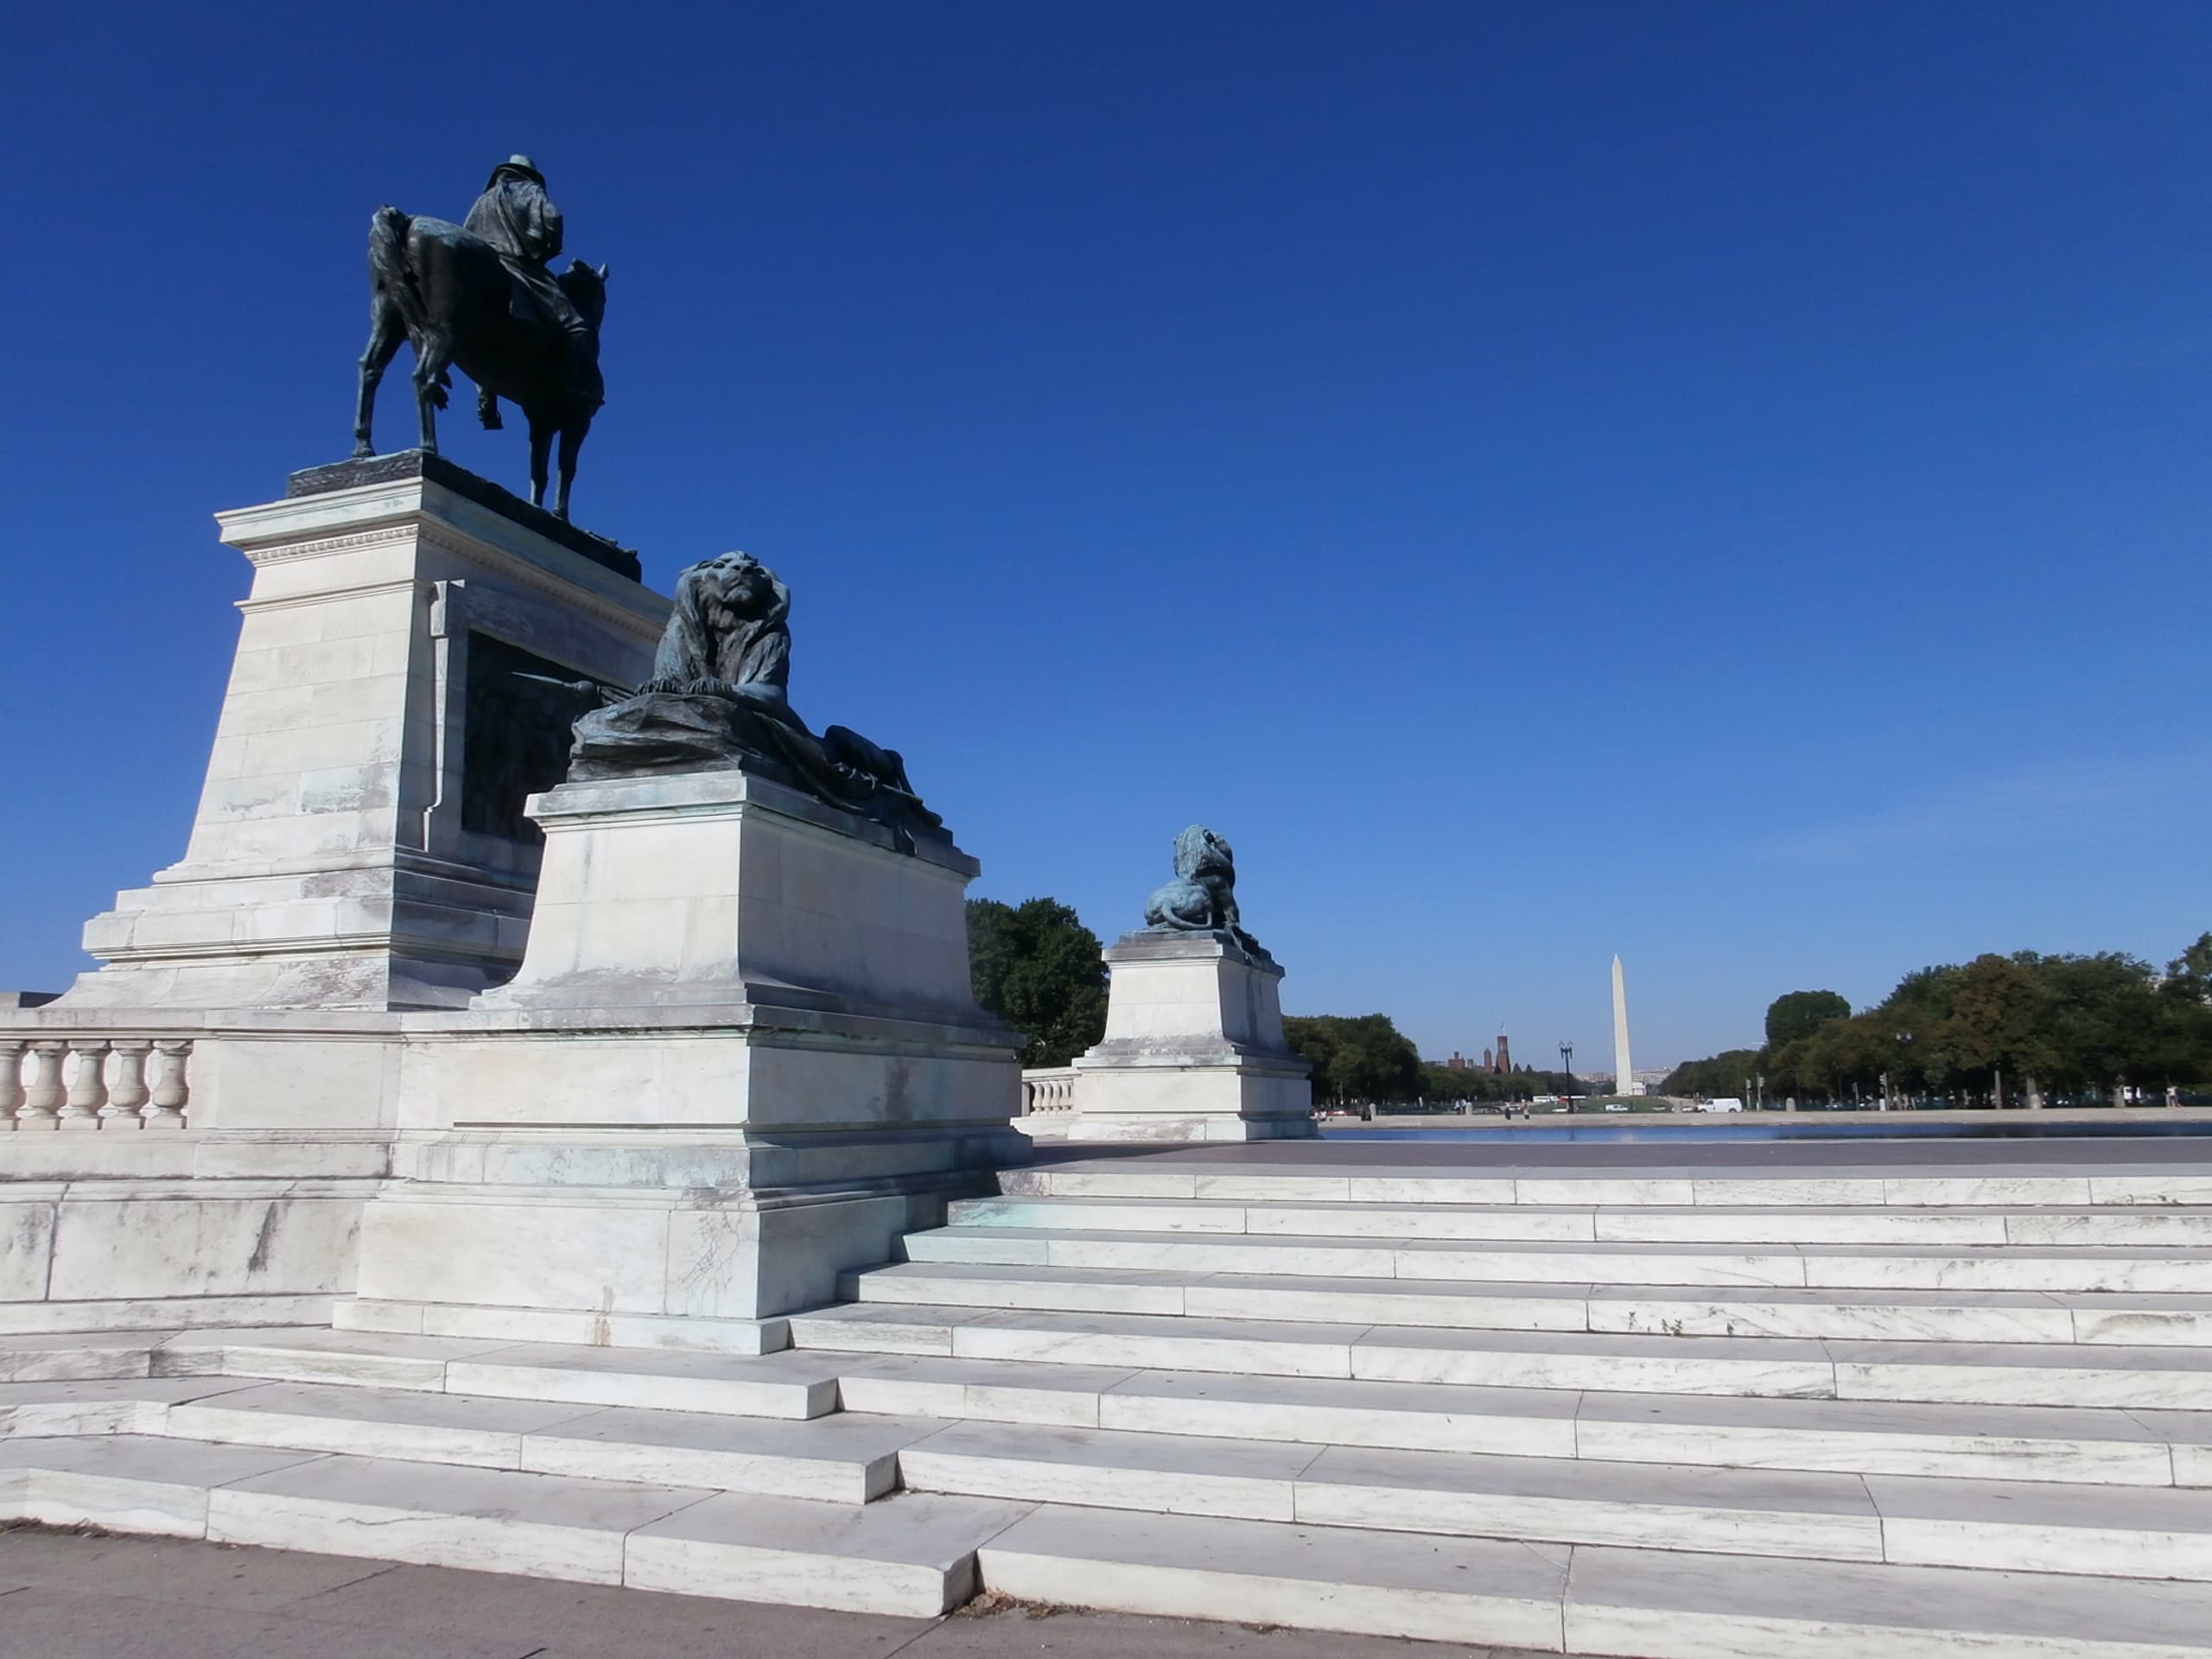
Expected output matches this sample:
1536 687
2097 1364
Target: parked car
1722 1103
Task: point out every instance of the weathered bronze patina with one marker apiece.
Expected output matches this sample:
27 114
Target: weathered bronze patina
717 700
482 296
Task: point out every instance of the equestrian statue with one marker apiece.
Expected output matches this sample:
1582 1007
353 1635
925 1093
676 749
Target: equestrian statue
481 296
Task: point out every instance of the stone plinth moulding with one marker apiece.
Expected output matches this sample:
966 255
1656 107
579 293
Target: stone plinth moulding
1193 1049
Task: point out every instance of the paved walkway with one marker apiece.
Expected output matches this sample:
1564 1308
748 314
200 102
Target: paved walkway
72 1595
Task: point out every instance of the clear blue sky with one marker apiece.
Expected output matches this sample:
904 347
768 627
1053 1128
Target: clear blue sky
1725 484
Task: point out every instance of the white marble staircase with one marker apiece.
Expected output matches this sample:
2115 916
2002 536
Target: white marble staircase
1639 1414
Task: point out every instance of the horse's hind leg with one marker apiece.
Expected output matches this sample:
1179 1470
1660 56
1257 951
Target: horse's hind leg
433 355
541 446
385 332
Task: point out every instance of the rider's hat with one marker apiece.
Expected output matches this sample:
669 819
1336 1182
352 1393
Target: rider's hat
521 164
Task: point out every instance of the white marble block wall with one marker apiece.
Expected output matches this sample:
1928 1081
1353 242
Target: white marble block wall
711 888
742 1055
327 866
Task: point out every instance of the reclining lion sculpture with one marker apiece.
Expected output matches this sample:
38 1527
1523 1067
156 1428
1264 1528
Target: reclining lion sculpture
718 701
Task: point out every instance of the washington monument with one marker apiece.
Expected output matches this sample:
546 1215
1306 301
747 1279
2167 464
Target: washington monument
1623 1079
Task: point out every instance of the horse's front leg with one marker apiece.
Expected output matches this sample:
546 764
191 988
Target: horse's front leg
385 332
572 439
541 446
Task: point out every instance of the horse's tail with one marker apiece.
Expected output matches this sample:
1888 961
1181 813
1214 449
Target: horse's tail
390 268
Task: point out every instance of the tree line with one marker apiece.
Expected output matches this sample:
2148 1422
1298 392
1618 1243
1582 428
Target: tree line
2066 1027
1995 1029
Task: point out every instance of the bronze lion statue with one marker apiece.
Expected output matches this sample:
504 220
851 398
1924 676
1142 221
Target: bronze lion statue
1202 899
718 701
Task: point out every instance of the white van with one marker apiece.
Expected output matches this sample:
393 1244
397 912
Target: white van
1724 1103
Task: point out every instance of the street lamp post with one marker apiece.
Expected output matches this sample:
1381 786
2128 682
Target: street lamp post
1566 1064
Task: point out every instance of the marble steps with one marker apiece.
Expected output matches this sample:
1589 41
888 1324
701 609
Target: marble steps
1836 1267
2013 1374
910 1554
1674 1310
839 1458
783 1385
2149 1183
1985 1225
2082 1445
2100 1530
1592 1600
170 1311
128 1405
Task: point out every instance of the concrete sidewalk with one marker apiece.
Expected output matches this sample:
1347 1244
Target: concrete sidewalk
65 1595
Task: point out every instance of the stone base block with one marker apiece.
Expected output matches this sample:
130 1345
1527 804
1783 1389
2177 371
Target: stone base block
705 890
763 1098
359 843
415 935
1156 1100
1193 1049
684 1268
741 1058
109 1254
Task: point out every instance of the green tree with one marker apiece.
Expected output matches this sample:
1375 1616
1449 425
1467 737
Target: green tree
1800 1013
1723 1075
2104 1018
2191 973
1845 1054
2001 1021
1037 966
2185 1000
1355 1059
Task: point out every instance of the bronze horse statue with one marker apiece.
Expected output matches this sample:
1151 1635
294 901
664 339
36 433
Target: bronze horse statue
445 292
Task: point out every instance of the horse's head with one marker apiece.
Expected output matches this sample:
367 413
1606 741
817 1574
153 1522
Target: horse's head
586 287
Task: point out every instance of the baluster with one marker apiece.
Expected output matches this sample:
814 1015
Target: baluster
128 1092
11 1080
171 1093
88 1088
43 1099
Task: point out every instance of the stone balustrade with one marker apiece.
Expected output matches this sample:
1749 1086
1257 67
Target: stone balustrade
83 1082
1048 1090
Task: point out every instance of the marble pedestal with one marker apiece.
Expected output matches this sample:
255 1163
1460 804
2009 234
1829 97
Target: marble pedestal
359 843
1193 1049
189 1135
741 1056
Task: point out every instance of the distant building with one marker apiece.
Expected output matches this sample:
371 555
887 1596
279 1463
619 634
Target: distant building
1488 1064
1504 1062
